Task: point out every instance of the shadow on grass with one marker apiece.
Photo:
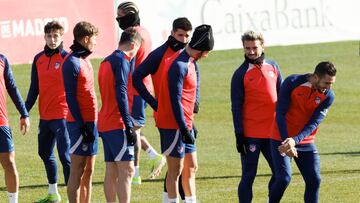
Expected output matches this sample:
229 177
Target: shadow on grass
341 153
197 178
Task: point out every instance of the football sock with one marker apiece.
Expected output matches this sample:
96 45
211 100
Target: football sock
13 197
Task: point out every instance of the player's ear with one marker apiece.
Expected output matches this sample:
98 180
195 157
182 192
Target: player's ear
86 39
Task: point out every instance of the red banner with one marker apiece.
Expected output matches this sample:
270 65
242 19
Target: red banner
22 25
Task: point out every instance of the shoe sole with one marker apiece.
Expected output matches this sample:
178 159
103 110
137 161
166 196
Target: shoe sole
157 170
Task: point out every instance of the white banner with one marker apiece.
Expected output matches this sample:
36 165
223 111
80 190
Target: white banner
282 22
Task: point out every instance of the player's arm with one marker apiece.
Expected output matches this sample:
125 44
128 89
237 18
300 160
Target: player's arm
121 72
279 79
14 91
237 100
176 77
149 66
282 107
34 86
16 98
197 99
317 117
71 71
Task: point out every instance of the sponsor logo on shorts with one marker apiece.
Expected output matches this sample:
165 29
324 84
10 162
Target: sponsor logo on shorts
84 147
252 148
180 149
131 150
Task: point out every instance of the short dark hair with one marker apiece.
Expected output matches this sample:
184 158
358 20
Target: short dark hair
182 23
83 29
252 36
128 7
53 26
130 35
325 68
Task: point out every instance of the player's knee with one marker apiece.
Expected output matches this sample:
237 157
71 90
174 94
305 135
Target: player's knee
88 171
194 168
248 176
173 174
9 166
283 181
313 182
64 159
128 172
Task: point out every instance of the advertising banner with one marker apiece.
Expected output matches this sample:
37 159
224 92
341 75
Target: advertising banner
22 25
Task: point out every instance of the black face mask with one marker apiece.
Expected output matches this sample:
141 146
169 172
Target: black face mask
175 44
128 20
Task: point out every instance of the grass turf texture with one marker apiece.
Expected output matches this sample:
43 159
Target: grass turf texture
219 165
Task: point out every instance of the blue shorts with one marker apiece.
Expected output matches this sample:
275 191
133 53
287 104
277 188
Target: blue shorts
138 111
172 145
116 147
6 143
77 146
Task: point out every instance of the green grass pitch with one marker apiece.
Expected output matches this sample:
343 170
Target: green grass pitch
219 164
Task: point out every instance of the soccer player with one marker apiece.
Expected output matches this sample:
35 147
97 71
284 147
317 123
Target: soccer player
154 65
46 81
303 103
115 125
78 76
7 153
254 89
176 101
128 15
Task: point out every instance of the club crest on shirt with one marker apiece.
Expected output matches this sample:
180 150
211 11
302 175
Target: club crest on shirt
57 65
252 148
317 100
271 73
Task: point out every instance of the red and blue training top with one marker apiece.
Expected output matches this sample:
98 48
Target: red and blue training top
141 55
300 110
254 91
8 84
177 94
113 82
46 81
156 64
78 78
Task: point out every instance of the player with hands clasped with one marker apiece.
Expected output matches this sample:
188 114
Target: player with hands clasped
254 89
303 103
115 124
155 65
78 76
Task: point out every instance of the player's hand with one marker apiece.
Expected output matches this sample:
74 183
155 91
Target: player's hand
195 131
186 136
240 143
286 145
88 134
24 125
292 152
130 135
196 107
